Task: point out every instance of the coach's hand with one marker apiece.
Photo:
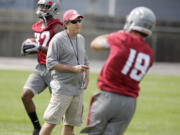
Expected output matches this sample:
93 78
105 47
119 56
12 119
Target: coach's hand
80 68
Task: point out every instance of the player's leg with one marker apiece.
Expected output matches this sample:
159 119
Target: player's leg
109 114
122 109
115 127
35 84
97 119
27 96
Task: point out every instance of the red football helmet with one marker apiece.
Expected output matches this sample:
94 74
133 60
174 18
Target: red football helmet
52 7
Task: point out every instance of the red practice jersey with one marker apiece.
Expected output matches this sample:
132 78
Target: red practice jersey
44 35
129 59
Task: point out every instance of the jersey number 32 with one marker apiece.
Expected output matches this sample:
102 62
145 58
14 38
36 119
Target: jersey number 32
44 36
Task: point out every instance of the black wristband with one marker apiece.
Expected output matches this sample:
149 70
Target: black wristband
40 48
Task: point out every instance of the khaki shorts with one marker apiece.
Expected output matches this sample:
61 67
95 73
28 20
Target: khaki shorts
68 108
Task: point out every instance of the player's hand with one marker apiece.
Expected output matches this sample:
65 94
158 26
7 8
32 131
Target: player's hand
80 68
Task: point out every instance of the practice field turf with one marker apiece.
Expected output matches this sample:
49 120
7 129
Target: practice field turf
157 112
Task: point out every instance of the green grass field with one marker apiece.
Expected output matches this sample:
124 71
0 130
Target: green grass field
157 112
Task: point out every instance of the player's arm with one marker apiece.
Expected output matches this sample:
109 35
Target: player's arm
100 43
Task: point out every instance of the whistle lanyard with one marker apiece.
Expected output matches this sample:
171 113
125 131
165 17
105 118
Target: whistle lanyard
75 51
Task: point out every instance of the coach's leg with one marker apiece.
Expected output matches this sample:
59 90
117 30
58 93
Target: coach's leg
67 130
47 129
26 97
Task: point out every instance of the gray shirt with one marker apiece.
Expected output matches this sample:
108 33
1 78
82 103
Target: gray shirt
69 51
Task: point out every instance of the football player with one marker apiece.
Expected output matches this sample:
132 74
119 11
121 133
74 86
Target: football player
112 109
39 80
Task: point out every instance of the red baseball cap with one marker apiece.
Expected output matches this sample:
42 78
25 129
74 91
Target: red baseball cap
71 15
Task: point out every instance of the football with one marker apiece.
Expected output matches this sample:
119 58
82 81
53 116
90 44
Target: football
29 46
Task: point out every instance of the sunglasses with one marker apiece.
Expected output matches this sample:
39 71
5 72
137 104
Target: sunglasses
76 21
